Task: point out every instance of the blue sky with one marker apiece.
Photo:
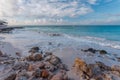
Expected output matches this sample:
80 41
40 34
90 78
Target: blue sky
47 12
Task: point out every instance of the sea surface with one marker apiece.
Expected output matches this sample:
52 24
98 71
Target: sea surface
103 35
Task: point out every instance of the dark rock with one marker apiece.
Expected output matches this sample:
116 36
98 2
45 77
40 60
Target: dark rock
37 73
34 50
103 52
90 50
11 77
1 53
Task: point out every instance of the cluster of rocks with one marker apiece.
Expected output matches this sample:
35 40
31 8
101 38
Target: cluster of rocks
38 66
97 71
94 51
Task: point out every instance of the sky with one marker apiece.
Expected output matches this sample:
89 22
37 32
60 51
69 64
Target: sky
60 12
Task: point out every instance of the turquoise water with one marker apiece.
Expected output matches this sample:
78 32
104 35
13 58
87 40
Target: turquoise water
108 32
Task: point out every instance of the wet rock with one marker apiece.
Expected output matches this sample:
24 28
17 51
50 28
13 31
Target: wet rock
1 53
118 58
11 77
55 34
44 74
103 52
34 50
90 50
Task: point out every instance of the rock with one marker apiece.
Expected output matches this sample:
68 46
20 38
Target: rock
34 50
18 54
50 67
47 54
22 75
103 67
1 53
37 73
38 57
118 58
63 67
90 50
116 68
55 34
21 66
60 76
54 60
11 77
34 57
45 74
30 68
42 66
103 52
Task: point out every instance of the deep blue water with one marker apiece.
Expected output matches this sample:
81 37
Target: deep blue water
109 32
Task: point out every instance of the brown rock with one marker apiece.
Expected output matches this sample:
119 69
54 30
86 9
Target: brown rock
45 74
54 60
30 68
38 57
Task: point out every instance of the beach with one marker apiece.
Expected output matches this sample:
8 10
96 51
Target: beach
71 52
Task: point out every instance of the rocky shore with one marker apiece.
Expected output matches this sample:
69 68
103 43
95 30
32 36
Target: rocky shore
40 65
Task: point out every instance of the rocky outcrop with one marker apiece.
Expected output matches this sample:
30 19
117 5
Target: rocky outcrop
97 71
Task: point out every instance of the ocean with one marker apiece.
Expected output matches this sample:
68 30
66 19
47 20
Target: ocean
103 35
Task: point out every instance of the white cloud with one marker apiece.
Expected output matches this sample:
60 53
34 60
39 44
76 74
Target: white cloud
37 9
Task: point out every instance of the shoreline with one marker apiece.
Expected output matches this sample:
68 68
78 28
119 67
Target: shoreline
62 52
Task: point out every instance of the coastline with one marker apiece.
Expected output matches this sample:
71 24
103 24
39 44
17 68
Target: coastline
66 51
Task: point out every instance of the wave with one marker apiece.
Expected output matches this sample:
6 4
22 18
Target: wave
95 40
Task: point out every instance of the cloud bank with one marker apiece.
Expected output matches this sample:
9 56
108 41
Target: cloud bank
44 11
